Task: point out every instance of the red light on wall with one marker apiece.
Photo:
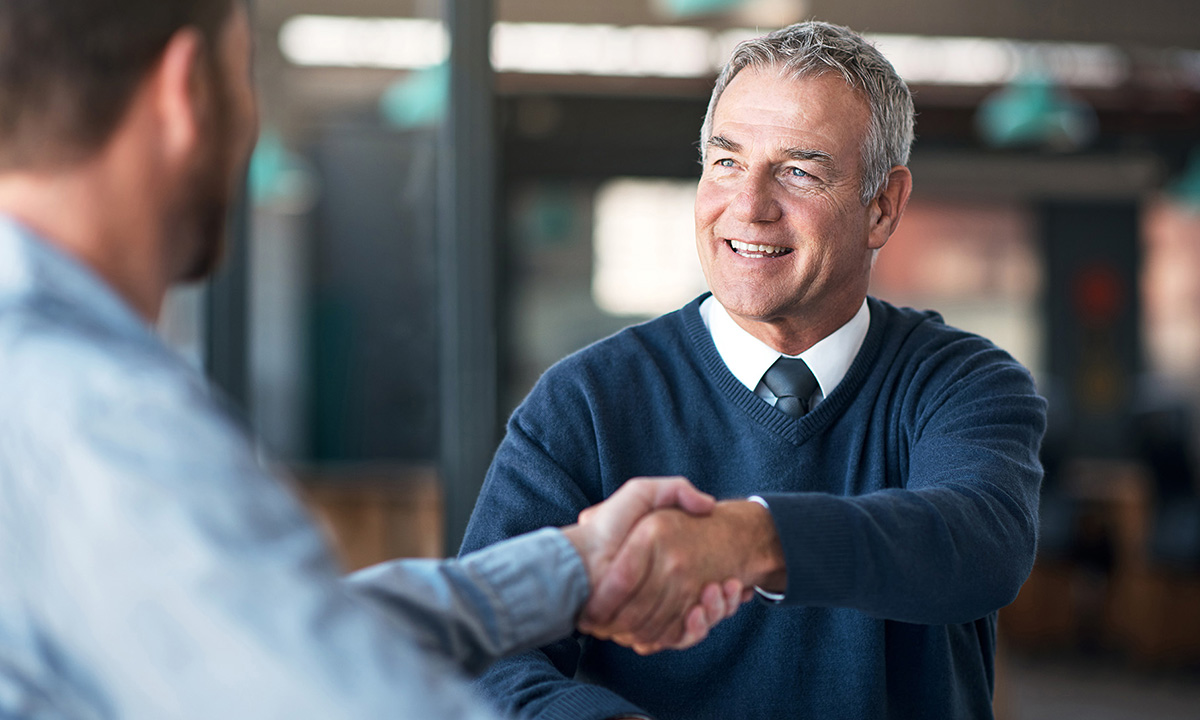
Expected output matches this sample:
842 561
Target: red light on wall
1098 294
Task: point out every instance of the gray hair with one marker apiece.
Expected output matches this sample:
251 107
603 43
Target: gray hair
814 48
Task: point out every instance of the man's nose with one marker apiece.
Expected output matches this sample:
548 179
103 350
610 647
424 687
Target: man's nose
755 201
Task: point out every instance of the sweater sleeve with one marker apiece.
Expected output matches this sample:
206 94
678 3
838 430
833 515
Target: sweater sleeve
527 487
955 540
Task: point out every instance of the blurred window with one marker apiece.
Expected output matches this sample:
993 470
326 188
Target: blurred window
645 247
976 263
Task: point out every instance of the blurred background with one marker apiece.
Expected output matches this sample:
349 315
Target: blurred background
450 195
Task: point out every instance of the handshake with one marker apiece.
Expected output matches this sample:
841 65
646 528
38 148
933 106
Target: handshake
667 562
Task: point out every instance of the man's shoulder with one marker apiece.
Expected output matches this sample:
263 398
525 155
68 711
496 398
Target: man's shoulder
640 343
620 368
910 331
55 357
110 403
922 347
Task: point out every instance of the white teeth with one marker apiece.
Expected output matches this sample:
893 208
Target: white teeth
757 250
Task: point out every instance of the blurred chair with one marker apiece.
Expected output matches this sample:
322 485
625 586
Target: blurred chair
1163 625
1165 443
1043 614
1059 510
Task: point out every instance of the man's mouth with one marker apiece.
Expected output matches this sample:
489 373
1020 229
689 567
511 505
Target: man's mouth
749 250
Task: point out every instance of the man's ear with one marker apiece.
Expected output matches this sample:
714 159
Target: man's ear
180 92
888 206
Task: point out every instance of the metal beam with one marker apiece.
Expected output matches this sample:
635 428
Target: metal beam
466 272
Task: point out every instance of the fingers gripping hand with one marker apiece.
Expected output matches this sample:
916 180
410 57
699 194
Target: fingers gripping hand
718 601
666 586
604 527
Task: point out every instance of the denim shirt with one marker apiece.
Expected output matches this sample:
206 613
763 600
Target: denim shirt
150 567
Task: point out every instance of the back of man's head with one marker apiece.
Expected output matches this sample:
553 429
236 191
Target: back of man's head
69 69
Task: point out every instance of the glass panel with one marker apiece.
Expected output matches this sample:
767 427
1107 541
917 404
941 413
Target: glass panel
975 263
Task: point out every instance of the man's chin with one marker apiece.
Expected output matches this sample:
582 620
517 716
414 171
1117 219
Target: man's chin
750 303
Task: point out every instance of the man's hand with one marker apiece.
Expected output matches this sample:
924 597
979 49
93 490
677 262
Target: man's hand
670 560
604 527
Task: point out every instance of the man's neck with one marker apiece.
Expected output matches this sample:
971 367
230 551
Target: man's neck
792 335
79 212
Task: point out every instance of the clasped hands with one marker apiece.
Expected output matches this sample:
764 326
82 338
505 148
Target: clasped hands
667 562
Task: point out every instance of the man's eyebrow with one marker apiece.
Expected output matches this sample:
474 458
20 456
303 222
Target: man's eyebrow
808 154
723 143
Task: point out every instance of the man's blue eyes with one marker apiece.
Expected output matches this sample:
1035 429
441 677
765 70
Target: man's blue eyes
793 171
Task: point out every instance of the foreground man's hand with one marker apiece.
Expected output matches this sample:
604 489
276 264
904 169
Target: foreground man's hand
672 558
599 536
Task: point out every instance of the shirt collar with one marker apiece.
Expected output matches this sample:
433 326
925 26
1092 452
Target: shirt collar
748 358
34 269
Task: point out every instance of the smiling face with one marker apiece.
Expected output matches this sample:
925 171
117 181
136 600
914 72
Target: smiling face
783 237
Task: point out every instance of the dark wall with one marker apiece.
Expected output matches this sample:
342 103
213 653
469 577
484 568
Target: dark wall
374 310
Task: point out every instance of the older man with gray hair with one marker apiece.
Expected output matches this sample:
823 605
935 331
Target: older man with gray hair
880 467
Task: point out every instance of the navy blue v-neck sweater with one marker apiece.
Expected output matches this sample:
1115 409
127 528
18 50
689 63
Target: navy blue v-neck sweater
906 503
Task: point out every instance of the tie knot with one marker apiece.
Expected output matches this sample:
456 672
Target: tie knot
793 383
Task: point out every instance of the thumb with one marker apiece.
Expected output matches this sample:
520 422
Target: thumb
678 492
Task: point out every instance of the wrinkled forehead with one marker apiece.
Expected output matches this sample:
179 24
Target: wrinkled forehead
814 117
783 92
852 94
800 73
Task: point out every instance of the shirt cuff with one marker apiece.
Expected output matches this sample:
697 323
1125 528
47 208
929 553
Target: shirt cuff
537 582
770 597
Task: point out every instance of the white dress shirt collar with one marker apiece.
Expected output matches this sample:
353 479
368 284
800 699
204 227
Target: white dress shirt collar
748 358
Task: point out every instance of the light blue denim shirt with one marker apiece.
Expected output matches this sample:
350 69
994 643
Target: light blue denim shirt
151 568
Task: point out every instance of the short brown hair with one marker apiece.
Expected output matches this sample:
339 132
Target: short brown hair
69 68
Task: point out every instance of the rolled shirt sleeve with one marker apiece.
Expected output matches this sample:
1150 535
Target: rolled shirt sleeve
512 596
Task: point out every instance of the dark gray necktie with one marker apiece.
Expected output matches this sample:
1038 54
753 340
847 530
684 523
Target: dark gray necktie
793 383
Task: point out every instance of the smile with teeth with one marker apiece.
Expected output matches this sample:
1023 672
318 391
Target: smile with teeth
757 251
